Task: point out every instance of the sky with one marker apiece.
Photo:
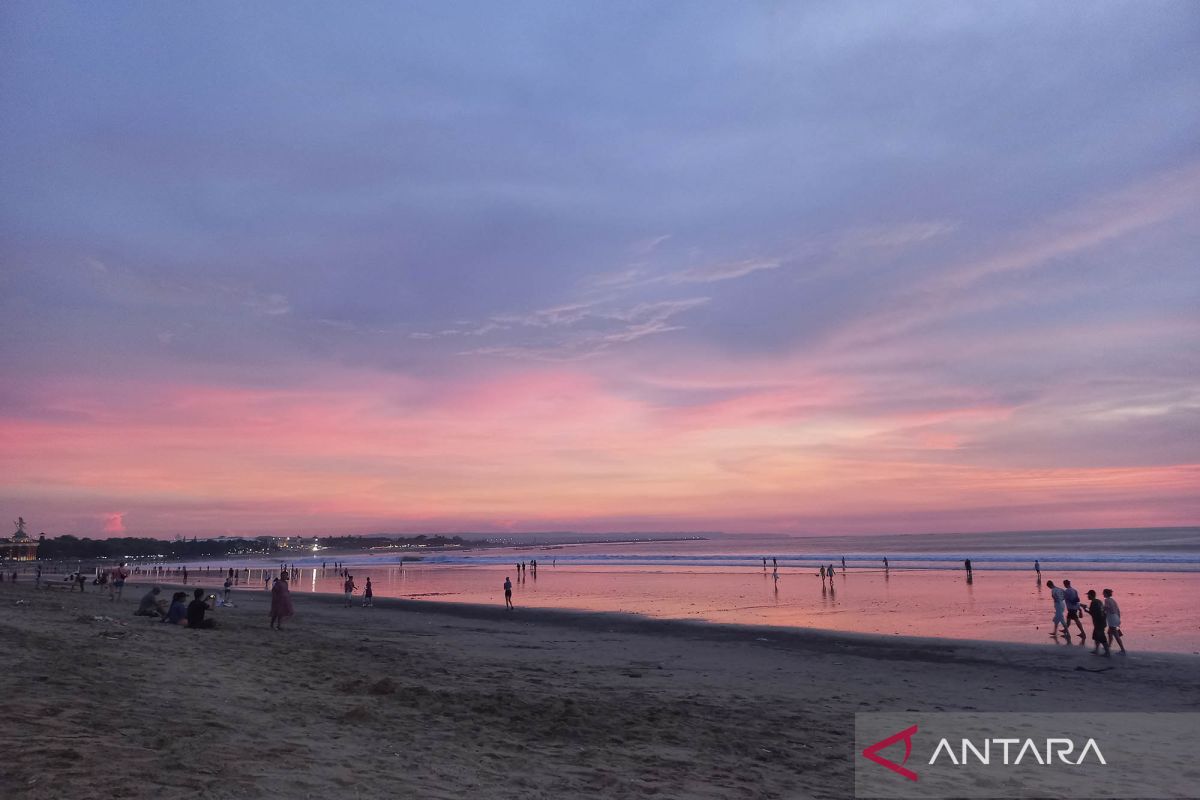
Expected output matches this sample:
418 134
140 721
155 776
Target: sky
613 266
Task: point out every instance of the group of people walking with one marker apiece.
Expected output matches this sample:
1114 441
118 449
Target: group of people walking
1105 615
349 587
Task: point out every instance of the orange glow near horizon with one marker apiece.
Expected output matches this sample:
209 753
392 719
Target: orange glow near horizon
547 449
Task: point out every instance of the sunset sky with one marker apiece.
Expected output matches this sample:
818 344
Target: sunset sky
788 267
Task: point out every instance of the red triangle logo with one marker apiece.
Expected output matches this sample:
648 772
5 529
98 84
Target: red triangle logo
872 752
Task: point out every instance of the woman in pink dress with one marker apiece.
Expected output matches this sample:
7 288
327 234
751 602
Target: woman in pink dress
281 602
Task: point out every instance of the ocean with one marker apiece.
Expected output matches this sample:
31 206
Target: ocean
1154 574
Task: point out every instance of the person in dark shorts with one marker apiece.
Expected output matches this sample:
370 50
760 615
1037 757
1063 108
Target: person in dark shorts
1095 610
196 611
1074 610
508 593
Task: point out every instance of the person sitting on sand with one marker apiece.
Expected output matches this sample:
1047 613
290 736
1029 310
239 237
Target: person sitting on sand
507 592
1112 613
1099 628
281 603
1074 612
1060 607
196 611
149 605
177 613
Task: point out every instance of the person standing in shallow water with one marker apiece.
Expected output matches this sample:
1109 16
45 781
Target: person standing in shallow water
967 566
368 595
507 592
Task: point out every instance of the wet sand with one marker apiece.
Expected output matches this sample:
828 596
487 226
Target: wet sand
446 700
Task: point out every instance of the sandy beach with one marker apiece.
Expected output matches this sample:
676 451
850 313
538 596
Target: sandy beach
424 699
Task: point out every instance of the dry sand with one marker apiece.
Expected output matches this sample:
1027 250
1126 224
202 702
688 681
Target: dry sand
427 700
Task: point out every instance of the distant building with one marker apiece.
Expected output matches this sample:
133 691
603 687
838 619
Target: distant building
19 547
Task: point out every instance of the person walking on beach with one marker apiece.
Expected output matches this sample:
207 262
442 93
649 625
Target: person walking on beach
885 564
368 595
266 581
1037 567
1074 613
764 563
843 563
228 588
967 565
281 603
117 585
1099 628
775 575
829 572
1112 613
507 593
1060 607
349 588
822 573
185 576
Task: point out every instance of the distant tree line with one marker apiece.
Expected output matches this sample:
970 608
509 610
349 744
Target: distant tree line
367 542
68 547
